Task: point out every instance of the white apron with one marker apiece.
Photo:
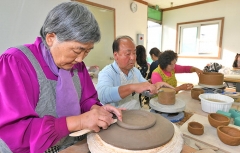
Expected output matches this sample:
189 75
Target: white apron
131 101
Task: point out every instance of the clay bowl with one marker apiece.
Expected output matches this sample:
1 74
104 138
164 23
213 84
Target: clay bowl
167 96
229 135
195 128
216 120
195 92
211 78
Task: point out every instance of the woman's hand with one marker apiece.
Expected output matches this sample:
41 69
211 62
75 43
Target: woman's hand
114 110
98 117
186 86
198 71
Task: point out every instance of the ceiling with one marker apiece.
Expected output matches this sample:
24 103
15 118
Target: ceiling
168 4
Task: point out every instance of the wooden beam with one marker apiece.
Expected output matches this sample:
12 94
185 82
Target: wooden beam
188 5
142 2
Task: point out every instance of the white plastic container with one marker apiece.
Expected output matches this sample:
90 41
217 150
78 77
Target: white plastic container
211 102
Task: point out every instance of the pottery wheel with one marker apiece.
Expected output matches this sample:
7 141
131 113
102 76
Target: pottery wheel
158 134
211 86
173 117
179 106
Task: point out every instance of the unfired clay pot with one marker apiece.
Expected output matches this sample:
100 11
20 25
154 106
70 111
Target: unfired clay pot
139 130
211 78
216 120
195 128
195 92
167 96
229 135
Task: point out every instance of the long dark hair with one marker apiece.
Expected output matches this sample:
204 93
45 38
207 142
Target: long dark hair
235 62
141 55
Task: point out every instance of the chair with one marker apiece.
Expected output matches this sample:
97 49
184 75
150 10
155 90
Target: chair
143 99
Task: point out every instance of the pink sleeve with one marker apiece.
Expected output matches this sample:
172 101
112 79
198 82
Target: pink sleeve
20 126
156 78
182 69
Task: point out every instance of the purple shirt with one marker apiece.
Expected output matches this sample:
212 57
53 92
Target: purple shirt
20 126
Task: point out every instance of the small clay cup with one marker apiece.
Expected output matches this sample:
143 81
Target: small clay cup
195 128
229 135
195 92
167 96
216 120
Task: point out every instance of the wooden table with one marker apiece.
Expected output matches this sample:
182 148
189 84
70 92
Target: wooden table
233 80
192 106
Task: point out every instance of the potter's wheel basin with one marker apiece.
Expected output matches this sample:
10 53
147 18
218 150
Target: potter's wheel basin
139 139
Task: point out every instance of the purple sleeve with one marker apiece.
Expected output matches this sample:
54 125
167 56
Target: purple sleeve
20 126
89 95
182 69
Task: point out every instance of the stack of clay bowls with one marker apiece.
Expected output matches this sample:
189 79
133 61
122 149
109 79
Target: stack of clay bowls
216 120
229 135
211 78
167 96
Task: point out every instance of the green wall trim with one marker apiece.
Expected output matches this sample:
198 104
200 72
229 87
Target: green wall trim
154 14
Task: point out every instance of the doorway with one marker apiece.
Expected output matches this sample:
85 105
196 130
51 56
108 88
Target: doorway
154 37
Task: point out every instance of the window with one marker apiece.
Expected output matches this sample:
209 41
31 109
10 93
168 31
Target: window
153 37
200 39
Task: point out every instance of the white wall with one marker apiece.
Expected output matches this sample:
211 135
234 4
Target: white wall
127 22
102 51
21 20
231 32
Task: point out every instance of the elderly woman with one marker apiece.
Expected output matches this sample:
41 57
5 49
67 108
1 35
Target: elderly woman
165 72
45 89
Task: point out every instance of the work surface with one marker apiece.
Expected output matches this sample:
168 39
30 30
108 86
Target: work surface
192 106
209 136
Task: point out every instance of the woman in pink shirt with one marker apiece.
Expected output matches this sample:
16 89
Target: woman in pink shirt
165 72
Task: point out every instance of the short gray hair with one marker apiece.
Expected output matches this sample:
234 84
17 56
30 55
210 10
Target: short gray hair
116 42
71 21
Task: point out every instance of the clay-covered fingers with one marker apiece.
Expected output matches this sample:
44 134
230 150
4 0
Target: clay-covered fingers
114 110
95 119
189 86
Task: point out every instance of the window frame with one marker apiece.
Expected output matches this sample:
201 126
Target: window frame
220 22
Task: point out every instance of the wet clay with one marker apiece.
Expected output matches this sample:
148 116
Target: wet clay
137 120
229 135
216 120
148 138
195 92
211 78
195 128
167 96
